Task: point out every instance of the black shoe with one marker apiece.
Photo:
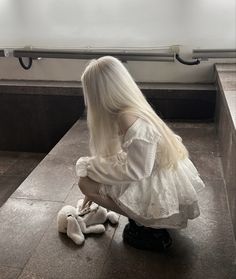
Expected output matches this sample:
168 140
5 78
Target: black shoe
145 238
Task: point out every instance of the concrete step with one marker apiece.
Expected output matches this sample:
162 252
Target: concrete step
226 128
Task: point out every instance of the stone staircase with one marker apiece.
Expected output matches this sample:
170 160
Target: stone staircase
30 246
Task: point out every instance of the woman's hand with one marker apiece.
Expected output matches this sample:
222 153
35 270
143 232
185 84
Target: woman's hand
86 203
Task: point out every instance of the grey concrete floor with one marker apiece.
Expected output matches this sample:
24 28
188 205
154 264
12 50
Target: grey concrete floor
32 248
14 168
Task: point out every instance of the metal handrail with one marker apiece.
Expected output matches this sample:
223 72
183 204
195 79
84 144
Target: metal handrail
205 54
69 54
124 55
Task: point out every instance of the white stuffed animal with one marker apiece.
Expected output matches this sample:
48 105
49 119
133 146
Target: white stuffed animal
76 222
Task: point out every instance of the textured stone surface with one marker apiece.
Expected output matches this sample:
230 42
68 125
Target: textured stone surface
226 127
14 168
208 165
9 272
74 195
230 178
23 223
199 134
8 184
7 159
196 252
224 132
228 80
231 101
24 164
74 143
51 180
205 249
58 257
226 83
226 67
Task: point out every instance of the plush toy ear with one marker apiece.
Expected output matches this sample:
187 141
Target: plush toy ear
112 217
74 231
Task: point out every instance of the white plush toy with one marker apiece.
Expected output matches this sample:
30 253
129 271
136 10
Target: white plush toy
76 222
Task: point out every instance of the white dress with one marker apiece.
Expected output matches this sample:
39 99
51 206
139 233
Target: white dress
154 197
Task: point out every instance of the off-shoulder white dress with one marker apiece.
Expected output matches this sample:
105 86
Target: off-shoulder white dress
154 197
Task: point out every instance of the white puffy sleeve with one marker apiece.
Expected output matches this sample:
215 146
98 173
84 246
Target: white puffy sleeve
133 165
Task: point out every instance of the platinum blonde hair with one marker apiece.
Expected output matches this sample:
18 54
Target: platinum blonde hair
110 91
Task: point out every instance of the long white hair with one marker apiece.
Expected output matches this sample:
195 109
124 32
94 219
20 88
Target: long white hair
110 91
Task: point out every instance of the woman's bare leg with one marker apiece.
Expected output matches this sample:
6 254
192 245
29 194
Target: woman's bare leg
90 188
